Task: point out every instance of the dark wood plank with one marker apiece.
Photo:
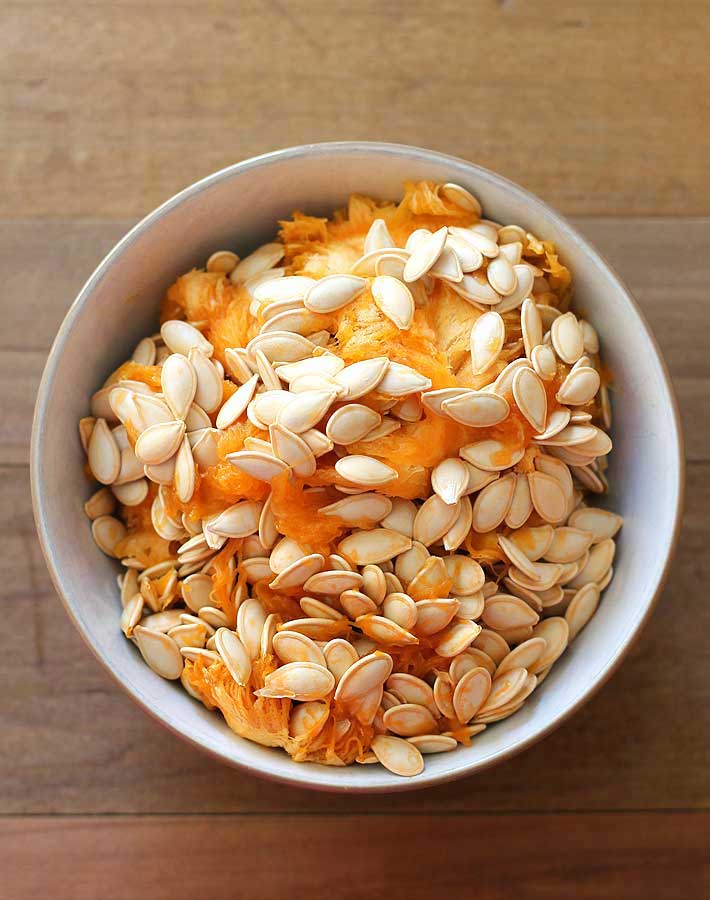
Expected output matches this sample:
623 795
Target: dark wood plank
46 264
637 857
73 742
597 107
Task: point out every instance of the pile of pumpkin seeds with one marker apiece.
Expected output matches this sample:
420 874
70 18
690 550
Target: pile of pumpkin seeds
502 626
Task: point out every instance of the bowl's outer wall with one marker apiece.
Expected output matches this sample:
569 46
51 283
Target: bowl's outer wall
237 208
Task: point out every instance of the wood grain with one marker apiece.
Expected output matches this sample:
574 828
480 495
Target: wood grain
76 744
638 857
112 107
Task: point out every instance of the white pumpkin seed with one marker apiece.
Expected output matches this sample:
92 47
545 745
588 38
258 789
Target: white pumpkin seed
409 719
433 400
548 497
567 338
461 197
103 454
555 632
579 387
233 409
365 470
292 646
501 275
394 300
397 756
368 673
181 337
159 442
433 519
107 532
530 397
449 479
456 637
378 237
424 255
259 465
471 691
600 522
368 508
350 423
491 455
374 546
160 652
492 504
298 681
262 259
293 450
477 409
333 581
544 361
400 380
298 572
487 339
504 611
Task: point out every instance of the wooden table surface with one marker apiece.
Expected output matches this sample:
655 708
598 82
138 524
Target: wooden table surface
107 109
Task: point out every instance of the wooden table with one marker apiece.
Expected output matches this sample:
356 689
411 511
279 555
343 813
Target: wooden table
108 108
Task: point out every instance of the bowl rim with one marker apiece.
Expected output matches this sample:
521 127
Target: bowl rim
345 148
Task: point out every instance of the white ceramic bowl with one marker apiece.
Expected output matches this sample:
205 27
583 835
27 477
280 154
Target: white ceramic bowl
238 207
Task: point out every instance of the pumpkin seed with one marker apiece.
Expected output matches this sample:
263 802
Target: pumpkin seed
430 580
581 608
383 631
530 397
491 456
262 259
107 532
444 695
368 673
504 611
477 409
394 300
456 637
292 646
433 743
181 337
159 651
378 236
103 453
179 384
501 275
492 644
400 609
504 688
433 400
298 681
364 470
487 339
470 693
601 523
409 719
101 503
397 756
433 519
350 423
333 581
548 497
234 655
461 197
298 572
425 254
567 338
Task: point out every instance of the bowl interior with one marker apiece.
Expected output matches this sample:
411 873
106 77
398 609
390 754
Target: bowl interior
237 208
